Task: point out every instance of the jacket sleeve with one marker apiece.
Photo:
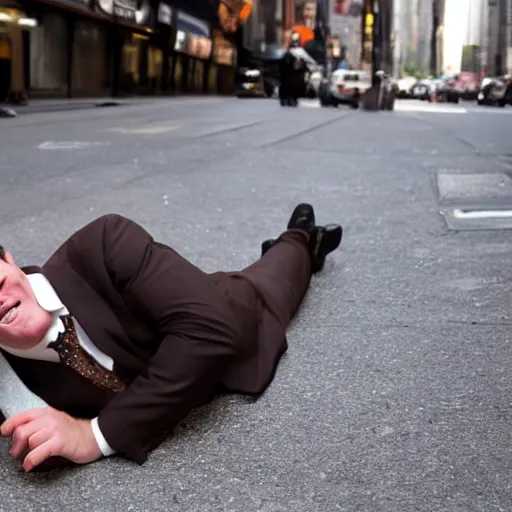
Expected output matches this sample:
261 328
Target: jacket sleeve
198 333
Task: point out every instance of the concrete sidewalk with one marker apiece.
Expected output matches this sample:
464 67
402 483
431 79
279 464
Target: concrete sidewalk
37 106
58 105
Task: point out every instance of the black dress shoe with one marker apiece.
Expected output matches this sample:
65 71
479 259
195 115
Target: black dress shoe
303 217
325 239
266 245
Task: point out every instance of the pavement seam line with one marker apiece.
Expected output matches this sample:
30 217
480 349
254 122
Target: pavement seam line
463 141
227 130
307 130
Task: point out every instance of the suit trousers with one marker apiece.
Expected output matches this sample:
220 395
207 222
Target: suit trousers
282 274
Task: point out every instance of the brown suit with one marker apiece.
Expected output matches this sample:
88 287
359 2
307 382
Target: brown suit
175 333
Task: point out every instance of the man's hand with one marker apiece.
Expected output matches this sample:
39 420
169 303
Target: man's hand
47 433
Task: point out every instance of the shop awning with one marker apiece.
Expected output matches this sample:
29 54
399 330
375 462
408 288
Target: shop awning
203 9
191 25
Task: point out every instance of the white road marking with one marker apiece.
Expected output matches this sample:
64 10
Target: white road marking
491 110
429 107
65 145
146 130
309 103
404 107
482 214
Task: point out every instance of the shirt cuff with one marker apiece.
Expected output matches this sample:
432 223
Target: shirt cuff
105 448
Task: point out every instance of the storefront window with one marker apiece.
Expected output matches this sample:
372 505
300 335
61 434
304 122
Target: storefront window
90 74
212 79
155 65
178 73
130 77
198 76
169 82
190 86
48 54
5 67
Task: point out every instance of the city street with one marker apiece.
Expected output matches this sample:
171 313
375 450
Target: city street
396 392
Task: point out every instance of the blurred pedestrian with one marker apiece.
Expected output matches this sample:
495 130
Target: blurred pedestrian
292 70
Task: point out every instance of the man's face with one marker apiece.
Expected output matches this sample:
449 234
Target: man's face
342 6
23 323
309 11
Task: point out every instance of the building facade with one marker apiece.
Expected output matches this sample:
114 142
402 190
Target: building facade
77 48
498 36
407 57
509 37
346 22
425 19
475 37
437 64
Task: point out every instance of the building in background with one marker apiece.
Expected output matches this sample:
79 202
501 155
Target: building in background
263 28
509 37
77 48
407 58
476 36
346 26
305 20
438 21
424 26
455 34
398 40
499 37
474 44
15 27
505 36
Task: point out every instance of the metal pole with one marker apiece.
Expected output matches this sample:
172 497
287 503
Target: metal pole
322 29
375 42
288 7
433 46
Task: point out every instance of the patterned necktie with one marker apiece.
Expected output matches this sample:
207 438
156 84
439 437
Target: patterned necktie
72 354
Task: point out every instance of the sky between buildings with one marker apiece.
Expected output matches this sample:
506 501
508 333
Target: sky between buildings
455 33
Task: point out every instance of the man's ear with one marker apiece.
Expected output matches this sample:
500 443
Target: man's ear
8 258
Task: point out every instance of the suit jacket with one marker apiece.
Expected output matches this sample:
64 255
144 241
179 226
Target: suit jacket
175 333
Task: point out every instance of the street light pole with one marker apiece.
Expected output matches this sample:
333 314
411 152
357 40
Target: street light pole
288 7
322 10
375 42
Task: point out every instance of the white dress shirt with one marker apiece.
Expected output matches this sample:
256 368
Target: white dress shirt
48 299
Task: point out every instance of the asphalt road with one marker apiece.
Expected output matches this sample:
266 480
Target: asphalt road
396 391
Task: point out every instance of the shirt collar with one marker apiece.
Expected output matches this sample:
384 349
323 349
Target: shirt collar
45 295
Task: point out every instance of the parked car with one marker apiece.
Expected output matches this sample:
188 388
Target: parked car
445 91
467 85
495 91
421 89
345 87
405 85
249 83
313 81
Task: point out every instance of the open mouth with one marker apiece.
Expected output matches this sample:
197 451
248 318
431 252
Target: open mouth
6 315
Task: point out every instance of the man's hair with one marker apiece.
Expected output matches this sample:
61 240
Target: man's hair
2 253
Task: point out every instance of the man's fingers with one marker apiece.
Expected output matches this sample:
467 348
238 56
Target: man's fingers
19 419
39 437
40 454
21 435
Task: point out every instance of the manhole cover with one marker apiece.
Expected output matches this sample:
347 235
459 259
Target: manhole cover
483 188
